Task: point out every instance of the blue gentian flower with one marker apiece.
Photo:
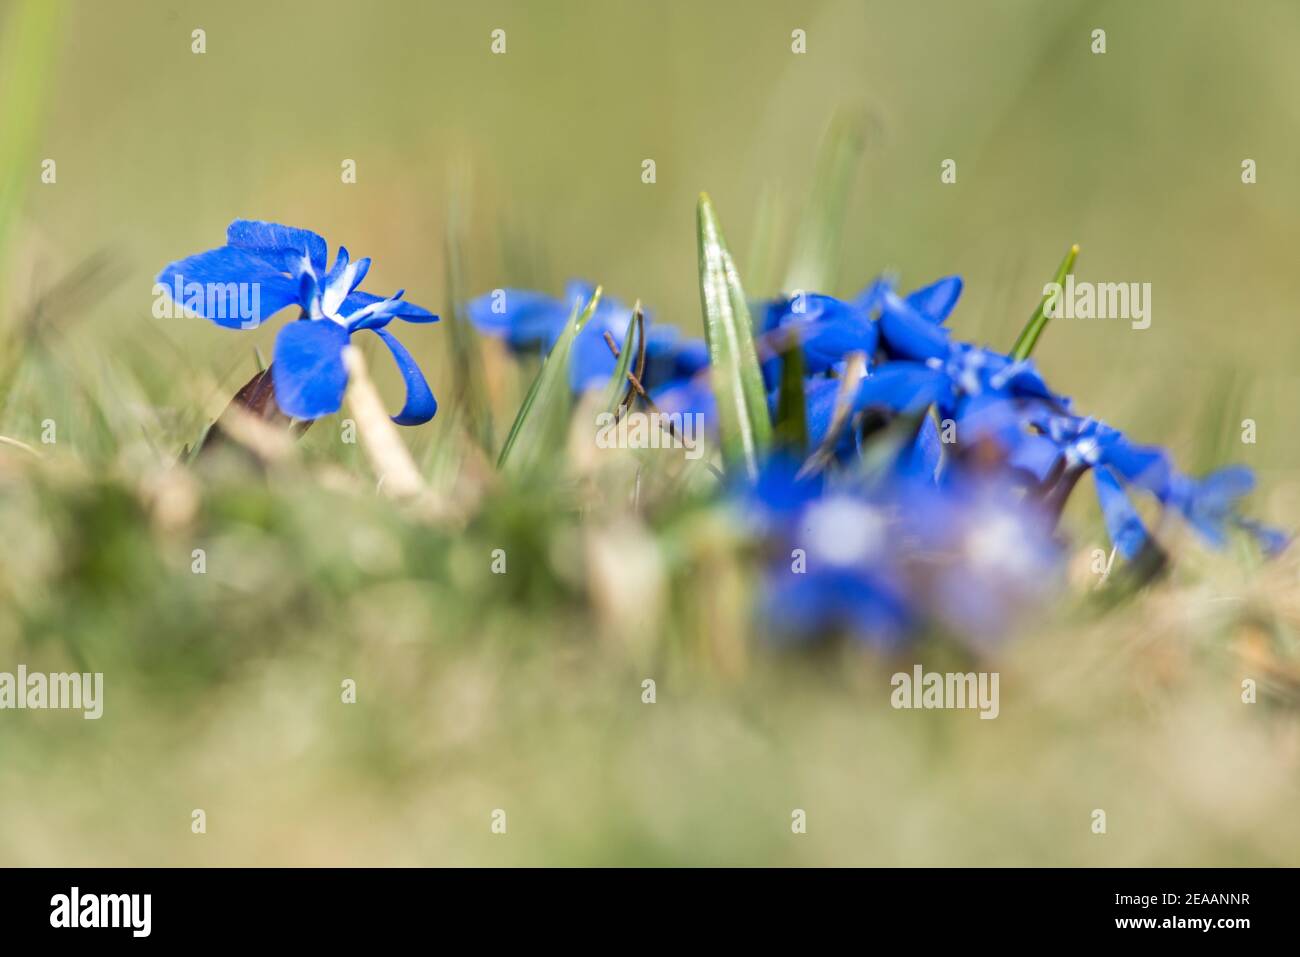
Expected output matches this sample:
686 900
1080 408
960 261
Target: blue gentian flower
529 321
980 556
923 366
886 561
1068 445
837 571
827 328
285 266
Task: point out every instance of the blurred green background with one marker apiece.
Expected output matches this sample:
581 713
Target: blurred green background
223 690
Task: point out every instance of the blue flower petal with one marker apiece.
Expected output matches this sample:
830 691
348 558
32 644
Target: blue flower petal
831 330
828 328
778 495
525 319
407 311
420 404
342 279
901 387
670 358
341 260
811 605
232 287
282 246
1224 486
692 355
1145 466
1210 503
921 458
873 297
827 344
936 301
689 396
308 370
1123 523
908 334
1035 454
819 409
591 363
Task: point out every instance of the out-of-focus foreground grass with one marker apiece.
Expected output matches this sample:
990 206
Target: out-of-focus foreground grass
523 691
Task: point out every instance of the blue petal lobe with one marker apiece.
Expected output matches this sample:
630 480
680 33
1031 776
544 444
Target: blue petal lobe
525 319
282 246
873 297
908 334
1123 523
1036 455
308 370
900 387
420 404
921 458
341 260
936 301
401 309
819 404
591 363
231 287
1209 503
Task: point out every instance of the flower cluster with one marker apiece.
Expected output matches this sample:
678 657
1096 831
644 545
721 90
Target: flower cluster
947 471
887 556
930 474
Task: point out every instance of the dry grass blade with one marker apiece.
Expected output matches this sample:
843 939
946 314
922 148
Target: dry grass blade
388 455
854 370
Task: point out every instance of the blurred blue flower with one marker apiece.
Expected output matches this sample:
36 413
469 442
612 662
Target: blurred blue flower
980 557
1069 445
529 321
269 266
837 571
827 328
888 560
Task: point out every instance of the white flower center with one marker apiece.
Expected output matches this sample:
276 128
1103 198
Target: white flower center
842 531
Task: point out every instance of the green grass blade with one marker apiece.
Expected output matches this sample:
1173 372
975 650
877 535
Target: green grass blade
468 375
819 241
762 268
29 35
546 407
791 431
1028 337
28 41
618 382
744 426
